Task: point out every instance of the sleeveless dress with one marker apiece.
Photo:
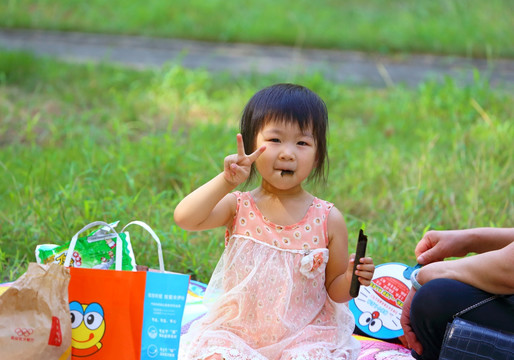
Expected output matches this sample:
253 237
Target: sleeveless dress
267 297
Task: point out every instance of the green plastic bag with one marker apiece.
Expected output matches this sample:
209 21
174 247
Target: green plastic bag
97 250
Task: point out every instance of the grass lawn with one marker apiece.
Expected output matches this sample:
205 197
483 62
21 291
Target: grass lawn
464 27
80 143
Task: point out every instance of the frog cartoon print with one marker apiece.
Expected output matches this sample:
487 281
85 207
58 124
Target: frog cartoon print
87 328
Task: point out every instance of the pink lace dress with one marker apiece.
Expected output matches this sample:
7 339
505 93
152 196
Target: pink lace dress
267 296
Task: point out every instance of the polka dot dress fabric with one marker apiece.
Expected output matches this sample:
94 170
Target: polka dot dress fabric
267 296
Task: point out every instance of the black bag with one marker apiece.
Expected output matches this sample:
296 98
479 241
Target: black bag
466 340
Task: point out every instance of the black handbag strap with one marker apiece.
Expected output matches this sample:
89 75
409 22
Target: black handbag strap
475 306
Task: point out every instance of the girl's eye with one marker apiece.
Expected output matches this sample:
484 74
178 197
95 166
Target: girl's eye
302 143
274 140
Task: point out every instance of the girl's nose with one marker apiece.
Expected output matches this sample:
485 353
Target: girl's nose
286 153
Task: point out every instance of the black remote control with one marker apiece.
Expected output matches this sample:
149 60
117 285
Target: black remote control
359 253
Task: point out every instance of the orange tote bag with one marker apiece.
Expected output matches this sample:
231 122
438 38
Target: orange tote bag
130 315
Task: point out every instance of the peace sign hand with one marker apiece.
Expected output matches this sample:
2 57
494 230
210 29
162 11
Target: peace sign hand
237 166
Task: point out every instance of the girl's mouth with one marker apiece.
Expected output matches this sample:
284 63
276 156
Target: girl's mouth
286 172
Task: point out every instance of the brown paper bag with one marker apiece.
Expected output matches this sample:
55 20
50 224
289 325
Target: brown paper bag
35 315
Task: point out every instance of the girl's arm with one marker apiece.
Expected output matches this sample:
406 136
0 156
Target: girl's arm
338 274
338 288
207 207
211 205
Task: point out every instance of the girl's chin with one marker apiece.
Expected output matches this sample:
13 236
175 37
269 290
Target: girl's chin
283 184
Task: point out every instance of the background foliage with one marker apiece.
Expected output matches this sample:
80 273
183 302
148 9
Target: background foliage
80 143
464 27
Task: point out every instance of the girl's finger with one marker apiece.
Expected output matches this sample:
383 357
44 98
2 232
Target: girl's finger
368 269
233 168
253 156
240 145
229 160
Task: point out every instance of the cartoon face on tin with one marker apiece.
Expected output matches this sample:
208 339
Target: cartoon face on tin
378 307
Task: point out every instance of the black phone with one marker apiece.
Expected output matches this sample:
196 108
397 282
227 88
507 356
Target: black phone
359 253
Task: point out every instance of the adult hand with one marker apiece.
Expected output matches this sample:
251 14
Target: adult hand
237 166
438 245
409 338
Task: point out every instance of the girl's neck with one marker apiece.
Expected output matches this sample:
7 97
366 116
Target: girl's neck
282 207
266 189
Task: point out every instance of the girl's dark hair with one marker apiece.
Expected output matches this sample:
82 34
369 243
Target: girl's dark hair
292 104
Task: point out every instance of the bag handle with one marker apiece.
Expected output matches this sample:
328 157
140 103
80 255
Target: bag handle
73 242
155 237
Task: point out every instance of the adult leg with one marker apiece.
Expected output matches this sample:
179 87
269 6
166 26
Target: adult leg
435 303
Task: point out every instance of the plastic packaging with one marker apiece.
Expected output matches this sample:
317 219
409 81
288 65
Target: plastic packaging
94 251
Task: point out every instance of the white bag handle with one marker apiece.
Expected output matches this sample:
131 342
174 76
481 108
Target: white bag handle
149 229
73 242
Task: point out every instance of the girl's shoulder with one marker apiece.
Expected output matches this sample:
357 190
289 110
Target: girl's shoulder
332 216
241 197
322 205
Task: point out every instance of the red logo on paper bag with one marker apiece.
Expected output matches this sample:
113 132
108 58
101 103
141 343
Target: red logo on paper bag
23 334
55 333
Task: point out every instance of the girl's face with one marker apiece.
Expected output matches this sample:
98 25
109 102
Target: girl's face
289 157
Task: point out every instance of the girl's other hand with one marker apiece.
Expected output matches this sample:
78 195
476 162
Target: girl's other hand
237 166
365 269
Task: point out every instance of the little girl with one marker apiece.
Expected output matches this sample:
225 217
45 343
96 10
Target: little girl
275 293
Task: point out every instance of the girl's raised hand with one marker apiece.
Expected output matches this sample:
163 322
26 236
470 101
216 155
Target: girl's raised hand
237 166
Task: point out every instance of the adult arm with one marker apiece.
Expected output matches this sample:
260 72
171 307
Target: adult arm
438 245
491 271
